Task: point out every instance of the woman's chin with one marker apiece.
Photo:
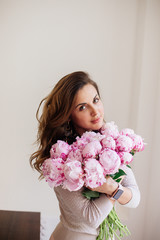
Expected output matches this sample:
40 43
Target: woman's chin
97 126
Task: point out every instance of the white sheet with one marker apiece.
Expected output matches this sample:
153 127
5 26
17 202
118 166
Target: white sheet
47 225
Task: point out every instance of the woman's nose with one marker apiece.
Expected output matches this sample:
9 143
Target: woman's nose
94 111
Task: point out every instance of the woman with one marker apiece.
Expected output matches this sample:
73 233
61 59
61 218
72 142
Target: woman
73 107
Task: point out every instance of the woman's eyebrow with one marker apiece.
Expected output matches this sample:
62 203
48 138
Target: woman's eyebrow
80 104
84 102
95 96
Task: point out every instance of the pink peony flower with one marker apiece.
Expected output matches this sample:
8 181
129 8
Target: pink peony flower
60 150
138 144
94 173
92 136
89 135
91 149
74 175
126 131
110 161
52 170
124 143
109 143
75 154
126 157
80 143
110 129
73 186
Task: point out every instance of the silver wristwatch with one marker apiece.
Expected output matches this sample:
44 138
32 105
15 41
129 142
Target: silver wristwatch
118 192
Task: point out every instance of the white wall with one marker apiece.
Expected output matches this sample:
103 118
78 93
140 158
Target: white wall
117 43
146 119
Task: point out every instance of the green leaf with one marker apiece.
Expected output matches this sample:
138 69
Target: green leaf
128 166
118 180
132 152
118 174
89 194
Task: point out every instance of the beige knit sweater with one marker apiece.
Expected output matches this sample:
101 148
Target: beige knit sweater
82 215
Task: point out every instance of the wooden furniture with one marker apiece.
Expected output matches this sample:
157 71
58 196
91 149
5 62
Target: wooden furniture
16 225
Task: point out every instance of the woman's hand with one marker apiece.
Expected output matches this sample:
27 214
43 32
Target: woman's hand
108 187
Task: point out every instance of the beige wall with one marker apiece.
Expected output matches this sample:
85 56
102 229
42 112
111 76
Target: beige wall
118 43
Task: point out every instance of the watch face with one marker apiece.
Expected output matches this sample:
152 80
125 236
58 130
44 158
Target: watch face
118 194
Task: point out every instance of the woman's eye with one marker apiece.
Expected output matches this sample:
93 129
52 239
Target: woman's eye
96 100
82 108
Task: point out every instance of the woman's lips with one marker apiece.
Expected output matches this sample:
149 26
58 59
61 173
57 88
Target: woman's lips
96 120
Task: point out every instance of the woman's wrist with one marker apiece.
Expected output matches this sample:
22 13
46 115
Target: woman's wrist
112 189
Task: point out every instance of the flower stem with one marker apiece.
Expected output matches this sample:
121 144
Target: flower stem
110 225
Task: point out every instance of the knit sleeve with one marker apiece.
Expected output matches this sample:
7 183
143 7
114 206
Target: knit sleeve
74 204
130 182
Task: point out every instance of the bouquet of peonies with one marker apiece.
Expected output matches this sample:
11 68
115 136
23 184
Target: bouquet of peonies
88 161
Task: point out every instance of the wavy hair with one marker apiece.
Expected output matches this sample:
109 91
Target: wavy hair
56 111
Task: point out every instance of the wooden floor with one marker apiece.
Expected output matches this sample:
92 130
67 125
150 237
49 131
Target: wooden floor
19 225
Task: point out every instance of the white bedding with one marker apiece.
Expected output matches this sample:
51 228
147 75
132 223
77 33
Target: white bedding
47 225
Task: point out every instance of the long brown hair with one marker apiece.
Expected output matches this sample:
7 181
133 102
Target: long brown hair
56 111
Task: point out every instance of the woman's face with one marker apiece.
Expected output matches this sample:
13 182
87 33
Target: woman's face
88 111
